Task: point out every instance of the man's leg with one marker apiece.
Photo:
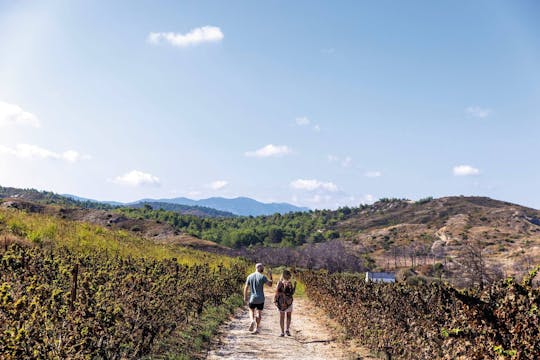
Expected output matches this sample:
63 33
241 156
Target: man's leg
252 319
258 317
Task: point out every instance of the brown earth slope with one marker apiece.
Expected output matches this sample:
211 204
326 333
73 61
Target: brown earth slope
156 231
508 234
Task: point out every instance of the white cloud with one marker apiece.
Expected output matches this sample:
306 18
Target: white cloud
11 114
302 121
332 158
328 51
346 162
26 151
465 170
136 178
269 150
312 185
193 193
478 112
368 199
194 37
218 184
318 199
373 174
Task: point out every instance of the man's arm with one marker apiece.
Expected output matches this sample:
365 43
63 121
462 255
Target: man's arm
269 282
246 292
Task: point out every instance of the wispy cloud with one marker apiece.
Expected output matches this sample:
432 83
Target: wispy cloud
313 184
218 184
305 121
269 151
11 114
328 51
137 178
465 170
373 174
332 158
27 151
345 162
196 36
368 199
302 121
478 112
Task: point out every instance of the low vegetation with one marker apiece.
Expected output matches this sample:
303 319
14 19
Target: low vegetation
75 290
435 320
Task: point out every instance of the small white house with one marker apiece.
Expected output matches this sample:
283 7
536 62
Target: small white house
385 277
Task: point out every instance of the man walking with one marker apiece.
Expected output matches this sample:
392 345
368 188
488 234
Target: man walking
255 284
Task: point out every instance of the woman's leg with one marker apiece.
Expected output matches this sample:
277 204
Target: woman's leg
282 321
289 316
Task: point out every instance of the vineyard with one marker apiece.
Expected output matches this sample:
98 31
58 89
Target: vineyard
433 321
81 291
58 304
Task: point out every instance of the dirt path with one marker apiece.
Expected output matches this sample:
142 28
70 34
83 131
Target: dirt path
311 339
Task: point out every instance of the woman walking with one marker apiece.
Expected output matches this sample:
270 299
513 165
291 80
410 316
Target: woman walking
284 301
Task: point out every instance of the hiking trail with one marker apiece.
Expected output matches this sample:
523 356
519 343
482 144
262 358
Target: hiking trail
311 336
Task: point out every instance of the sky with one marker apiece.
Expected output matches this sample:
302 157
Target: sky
315 103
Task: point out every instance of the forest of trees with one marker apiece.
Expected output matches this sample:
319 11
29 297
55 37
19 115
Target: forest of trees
292 229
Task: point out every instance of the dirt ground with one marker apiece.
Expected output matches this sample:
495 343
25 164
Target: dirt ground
313 336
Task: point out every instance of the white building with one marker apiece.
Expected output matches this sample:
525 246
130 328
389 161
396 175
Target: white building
380 277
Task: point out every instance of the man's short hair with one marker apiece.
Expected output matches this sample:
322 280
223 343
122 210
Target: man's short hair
259 265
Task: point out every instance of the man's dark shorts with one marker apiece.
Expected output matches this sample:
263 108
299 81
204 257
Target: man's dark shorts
256 306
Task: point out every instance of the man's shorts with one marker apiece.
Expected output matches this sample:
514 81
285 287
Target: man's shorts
256 306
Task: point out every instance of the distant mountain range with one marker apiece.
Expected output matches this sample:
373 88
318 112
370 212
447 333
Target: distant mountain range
213 207
241 206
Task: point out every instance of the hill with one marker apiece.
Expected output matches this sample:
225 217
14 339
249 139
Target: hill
195 210
79 275
242 206
461 232
449 237
390 234
214 206
47 197
157 232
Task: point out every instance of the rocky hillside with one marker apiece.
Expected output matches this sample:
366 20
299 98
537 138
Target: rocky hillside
453 237
155 231
398 232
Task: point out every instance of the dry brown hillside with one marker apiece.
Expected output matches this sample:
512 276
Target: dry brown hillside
403 233
156 231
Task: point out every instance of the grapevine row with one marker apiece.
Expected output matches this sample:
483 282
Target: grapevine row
433 321
59 304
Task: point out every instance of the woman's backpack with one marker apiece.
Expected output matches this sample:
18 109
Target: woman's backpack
283 298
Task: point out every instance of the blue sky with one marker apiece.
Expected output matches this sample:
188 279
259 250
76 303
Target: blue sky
320 104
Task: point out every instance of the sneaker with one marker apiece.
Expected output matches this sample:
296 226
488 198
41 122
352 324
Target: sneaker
282 335
252 325
288 333
255 332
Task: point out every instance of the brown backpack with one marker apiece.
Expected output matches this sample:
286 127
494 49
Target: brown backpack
283 298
